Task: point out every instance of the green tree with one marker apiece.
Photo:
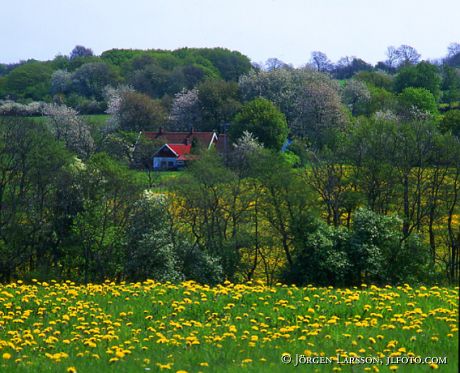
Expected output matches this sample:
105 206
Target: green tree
261 118
109 191
219 101
322 259
451 122
286 200
423 75
328 175
32 169
211 206
152 79
368 147
375 241
90 79
378 79
138 112
29 81
416 101
346 67
231 64
450 84
380 100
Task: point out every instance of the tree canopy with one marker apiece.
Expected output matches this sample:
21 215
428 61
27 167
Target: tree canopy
261 118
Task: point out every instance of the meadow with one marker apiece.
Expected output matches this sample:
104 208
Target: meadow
186 327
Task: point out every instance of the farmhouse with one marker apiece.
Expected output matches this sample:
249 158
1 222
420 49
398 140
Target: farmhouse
179 148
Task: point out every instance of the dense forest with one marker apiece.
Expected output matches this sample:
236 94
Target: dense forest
337 174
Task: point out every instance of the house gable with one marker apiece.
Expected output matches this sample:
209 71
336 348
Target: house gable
176 153
166 152
202 139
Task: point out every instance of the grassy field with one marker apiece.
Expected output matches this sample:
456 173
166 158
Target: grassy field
157 181
62 327
95 119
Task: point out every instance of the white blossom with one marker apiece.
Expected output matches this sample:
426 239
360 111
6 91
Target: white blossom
114 97
185 111
69 127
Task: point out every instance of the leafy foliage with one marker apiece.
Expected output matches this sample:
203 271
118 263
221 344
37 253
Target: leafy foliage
29 81
417 100
423 75
261 118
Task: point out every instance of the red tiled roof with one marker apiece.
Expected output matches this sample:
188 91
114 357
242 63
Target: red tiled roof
180 149
203 138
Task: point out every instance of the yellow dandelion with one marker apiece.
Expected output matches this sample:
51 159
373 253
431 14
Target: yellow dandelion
163 366
120 354
6 356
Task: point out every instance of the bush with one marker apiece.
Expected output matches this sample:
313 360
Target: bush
322 260
379 254
154 250
372 251
149 250
198 265
11 108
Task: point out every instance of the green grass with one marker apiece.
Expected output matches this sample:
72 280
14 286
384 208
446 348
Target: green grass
95 119
229 328
157 180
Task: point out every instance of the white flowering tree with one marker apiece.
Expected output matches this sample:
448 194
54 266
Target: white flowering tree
114 98
356 95
185 111
309 99
67 126
61 82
